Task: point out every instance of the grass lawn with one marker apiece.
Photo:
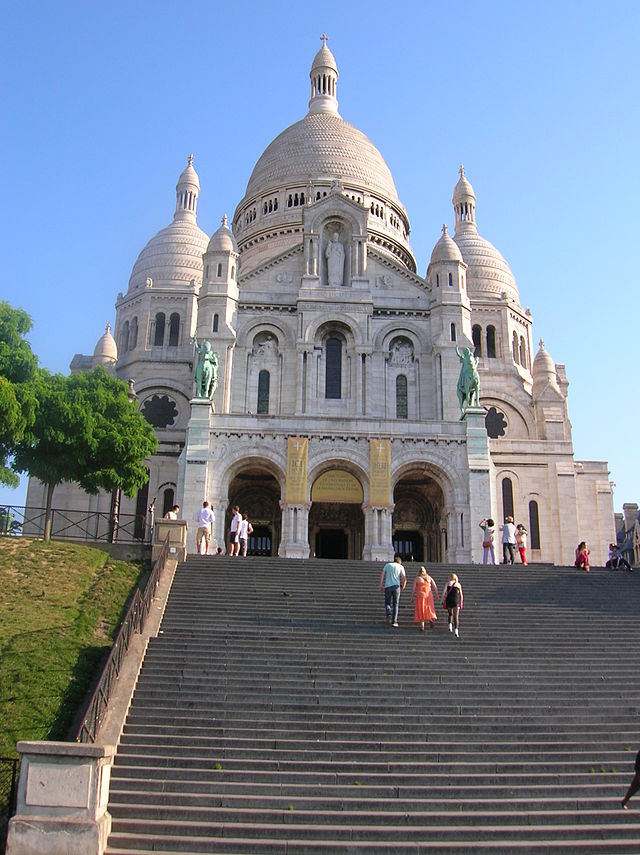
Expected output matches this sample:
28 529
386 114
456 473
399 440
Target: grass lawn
60 607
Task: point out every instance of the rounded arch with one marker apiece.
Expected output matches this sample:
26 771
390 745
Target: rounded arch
385 336
319 221
256 487
436 467
241 461
283 333
358 470
321 328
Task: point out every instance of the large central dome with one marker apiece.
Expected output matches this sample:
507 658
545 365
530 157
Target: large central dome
301 166
322 146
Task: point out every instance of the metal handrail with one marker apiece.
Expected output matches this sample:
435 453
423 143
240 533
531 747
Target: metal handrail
133 622
78 524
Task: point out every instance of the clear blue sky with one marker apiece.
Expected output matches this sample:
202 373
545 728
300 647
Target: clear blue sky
540 101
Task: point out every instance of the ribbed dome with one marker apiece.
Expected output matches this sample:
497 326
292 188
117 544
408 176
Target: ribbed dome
322 146
445 250
174 255
222 240
105 351
488 274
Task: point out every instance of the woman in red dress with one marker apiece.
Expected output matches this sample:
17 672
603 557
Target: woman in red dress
422 596
582 556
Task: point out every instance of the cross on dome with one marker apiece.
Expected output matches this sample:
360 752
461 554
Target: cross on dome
225 221
325 39
190 160
461 171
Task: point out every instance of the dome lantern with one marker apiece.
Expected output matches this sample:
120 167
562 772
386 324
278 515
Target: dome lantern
464 203
187 190
324 81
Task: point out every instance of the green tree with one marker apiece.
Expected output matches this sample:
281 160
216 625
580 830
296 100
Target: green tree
18 366
86 430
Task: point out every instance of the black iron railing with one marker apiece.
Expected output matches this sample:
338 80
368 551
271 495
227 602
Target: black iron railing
8 790
16 520
133 623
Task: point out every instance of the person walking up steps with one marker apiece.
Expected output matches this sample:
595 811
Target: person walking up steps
393 580
234 541
244 530
452 600
204 519
634 786
422 595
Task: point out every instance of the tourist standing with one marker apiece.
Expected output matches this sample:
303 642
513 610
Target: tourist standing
508 540
582 556
236 519
488 533
244 530
422 596
634 786
393 580
204 518
452 600
521 541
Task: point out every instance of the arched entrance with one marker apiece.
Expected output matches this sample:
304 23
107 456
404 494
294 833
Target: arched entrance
418 510
257 494
336 521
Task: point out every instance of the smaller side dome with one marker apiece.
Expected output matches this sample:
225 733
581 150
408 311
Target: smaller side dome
106 351
223 240
445 249
544 371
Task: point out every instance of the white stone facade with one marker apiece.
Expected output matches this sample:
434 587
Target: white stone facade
325 331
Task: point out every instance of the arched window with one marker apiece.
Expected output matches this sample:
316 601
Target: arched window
124 341
534 525
402 403
507 498
133 336
476 335
333 372
437 280
219 270
491 342
263 393
523 352
167 500
514 347
215 324
450 280
158 339
453 332
233 271
174 329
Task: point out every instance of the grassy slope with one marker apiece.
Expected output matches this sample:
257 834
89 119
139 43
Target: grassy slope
60 606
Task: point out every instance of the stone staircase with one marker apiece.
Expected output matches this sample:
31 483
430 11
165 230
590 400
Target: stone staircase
278 712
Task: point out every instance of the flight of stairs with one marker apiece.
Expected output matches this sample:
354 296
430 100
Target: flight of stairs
278 712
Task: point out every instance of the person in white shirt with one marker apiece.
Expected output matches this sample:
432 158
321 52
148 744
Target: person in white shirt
205 519
508 540
244 530
234 542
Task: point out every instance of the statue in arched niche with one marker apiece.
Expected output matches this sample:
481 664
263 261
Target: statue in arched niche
401 352
266 347
335 261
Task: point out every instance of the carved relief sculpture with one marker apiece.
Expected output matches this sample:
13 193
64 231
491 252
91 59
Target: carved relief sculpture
335 262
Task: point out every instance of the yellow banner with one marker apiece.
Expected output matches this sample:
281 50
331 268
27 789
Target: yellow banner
297 458
337 485
380 473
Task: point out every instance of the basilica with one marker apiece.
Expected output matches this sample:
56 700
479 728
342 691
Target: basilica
334 419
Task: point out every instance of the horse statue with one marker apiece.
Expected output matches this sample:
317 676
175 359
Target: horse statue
469 380
205 369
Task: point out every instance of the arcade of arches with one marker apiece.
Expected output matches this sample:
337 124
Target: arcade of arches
336 526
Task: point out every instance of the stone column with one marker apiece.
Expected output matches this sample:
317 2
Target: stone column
378 544
196 458
294 541
63 793
481 493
